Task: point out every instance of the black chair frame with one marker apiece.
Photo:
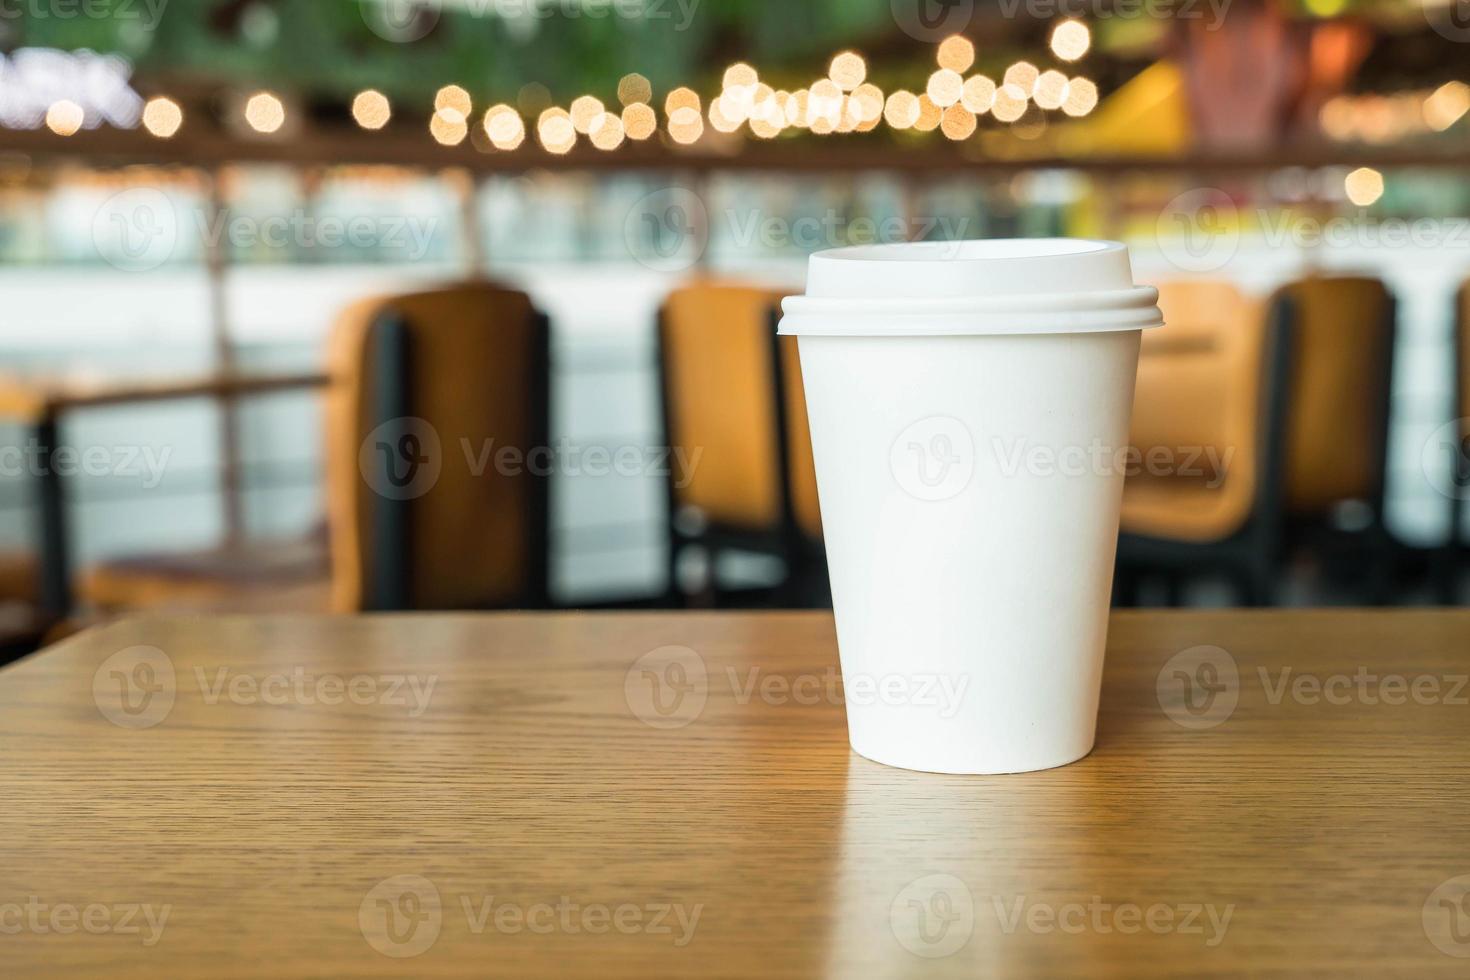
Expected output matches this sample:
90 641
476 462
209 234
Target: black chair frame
805 582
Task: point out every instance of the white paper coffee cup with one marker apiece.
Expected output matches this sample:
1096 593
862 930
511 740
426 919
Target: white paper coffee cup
969 406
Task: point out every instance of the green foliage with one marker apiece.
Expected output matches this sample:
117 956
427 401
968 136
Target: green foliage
328 48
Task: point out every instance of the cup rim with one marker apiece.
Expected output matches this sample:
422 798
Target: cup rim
970 250
978 286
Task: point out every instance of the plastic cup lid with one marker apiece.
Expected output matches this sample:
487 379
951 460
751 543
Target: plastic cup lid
992 286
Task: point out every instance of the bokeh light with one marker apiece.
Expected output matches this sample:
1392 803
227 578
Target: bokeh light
869 101
455 99
639 121
929 115
902 109
681 98
957 123
634 88
1070 40
264 112
686 125
956 53
848 70
740 74
1050 90
587 112
504 127
945 87
1363 186
370 109
1081 97
448 127
162 117
978 95
608 133
64 117
1009 104
555 132
1023 75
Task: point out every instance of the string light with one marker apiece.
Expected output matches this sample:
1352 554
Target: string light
957 123
370 109
587 112
162 117
1009 104
264 112
1070 40
639 121
1050 90
555 130
945 87
762 100
929 115
901 110
682 98
634 88
504 127
798 107
65 117
608 134
848 70
739 75
1081 97
869 100
455 99
720 118
956 53
824 106
448 126
1363 186
842 102
1023 75
686 125
978 94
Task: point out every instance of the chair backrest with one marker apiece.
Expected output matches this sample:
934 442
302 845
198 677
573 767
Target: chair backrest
1338 420
721 366
1200 398
435 499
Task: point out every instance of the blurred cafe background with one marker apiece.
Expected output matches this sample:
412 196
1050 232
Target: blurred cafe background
350 305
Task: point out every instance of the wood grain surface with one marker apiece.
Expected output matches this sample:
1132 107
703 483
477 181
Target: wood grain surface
642 795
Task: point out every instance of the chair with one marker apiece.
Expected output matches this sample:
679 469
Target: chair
1212 394
1337 436
731 392
426 508
438 372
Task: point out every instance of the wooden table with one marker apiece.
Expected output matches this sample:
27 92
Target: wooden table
543 810
40 402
